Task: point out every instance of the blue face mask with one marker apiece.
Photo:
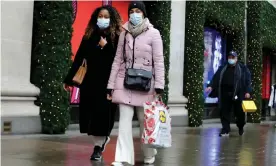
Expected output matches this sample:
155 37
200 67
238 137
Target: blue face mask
103 23
231 61
136 18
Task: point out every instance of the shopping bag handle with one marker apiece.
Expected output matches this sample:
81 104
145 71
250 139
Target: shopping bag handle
247 99
158 98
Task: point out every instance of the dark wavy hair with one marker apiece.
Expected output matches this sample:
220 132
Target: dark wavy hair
115 26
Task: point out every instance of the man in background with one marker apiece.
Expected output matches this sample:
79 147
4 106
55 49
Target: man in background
231 84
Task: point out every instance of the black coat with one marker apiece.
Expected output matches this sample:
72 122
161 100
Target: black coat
242 82
96 113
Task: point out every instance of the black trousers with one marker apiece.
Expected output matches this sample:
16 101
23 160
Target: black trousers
227 105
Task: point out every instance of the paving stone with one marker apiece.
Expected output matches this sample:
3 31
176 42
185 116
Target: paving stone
191 147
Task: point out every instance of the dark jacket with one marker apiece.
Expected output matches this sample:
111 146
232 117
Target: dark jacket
242 81
96 113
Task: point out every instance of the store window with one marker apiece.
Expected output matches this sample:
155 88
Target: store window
214 56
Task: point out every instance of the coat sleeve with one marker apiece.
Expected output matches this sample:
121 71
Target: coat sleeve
76 64
158 60
117 62
248 82
215 80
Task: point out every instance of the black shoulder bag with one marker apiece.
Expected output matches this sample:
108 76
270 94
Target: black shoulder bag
136 79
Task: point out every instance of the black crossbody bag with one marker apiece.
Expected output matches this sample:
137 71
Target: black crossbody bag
136 79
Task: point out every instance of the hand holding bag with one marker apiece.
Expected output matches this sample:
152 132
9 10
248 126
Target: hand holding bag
79 76
75 96
136 79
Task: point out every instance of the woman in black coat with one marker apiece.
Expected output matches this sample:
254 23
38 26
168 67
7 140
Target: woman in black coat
98 47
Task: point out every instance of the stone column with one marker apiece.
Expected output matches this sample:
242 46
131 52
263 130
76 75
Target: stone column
272 2
177 102
17 93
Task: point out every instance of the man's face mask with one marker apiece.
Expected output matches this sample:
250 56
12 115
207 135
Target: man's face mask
232 61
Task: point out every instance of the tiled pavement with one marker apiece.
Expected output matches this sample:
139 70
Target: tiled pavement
191 147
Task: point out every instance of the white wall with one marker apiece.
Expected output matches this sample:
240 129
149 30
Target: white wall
17 93
16 40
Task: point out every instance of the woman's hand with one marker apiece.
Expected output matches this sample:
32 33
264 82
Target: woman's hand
66 87
109 94
102 42
108 97
158 92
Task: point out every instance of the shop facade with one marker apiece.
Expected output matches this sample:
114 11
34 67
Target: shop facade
19 114
177 101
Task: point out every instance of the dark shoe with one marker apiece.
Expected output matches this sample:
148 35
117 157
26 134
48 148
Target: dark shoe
97 154
105 143
223 133
241 131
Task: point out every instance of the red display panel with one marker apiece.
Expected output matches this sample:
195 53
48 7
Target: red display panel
82 14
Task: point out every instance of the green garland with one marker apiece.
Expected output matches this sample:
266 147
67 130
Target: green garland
226 17
51 61
159 13
261 35
268 28
193 64
254 57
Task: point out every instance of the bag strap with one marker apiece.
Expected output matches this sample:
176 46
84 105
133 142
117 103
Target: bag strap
124 48
84 63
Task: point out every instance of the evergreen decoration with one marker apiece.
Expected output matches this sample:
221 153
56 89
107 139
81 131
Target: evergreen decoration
159 13
254 52
261 35
51 60
228 18
193 64
268 27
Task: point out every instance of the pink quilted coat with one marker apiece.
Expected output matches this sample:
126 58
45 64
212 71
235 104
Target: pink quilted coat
148 50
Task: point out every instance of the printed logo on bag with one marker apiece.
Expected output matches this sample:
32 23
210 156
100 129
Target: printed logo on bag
162 116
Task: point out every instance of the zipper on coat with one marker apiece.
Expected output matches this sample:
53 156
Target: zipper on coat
133 52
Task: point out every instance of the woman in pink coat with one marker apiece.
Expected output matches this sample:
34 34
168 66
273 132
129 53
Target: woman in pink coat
143 50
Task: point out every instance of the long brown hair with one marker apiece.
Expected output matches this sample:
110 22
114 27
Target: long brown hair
115 26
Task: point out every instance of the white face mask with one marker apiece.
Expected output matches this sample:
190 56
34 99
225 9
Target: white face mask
232 61
136 18
103 23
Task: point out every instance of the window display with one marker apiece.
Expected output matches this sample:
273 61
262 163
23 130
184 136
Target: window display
214 56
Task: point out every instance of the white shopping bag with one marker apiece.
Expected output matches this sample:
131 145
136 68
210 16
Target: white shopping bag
157 125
